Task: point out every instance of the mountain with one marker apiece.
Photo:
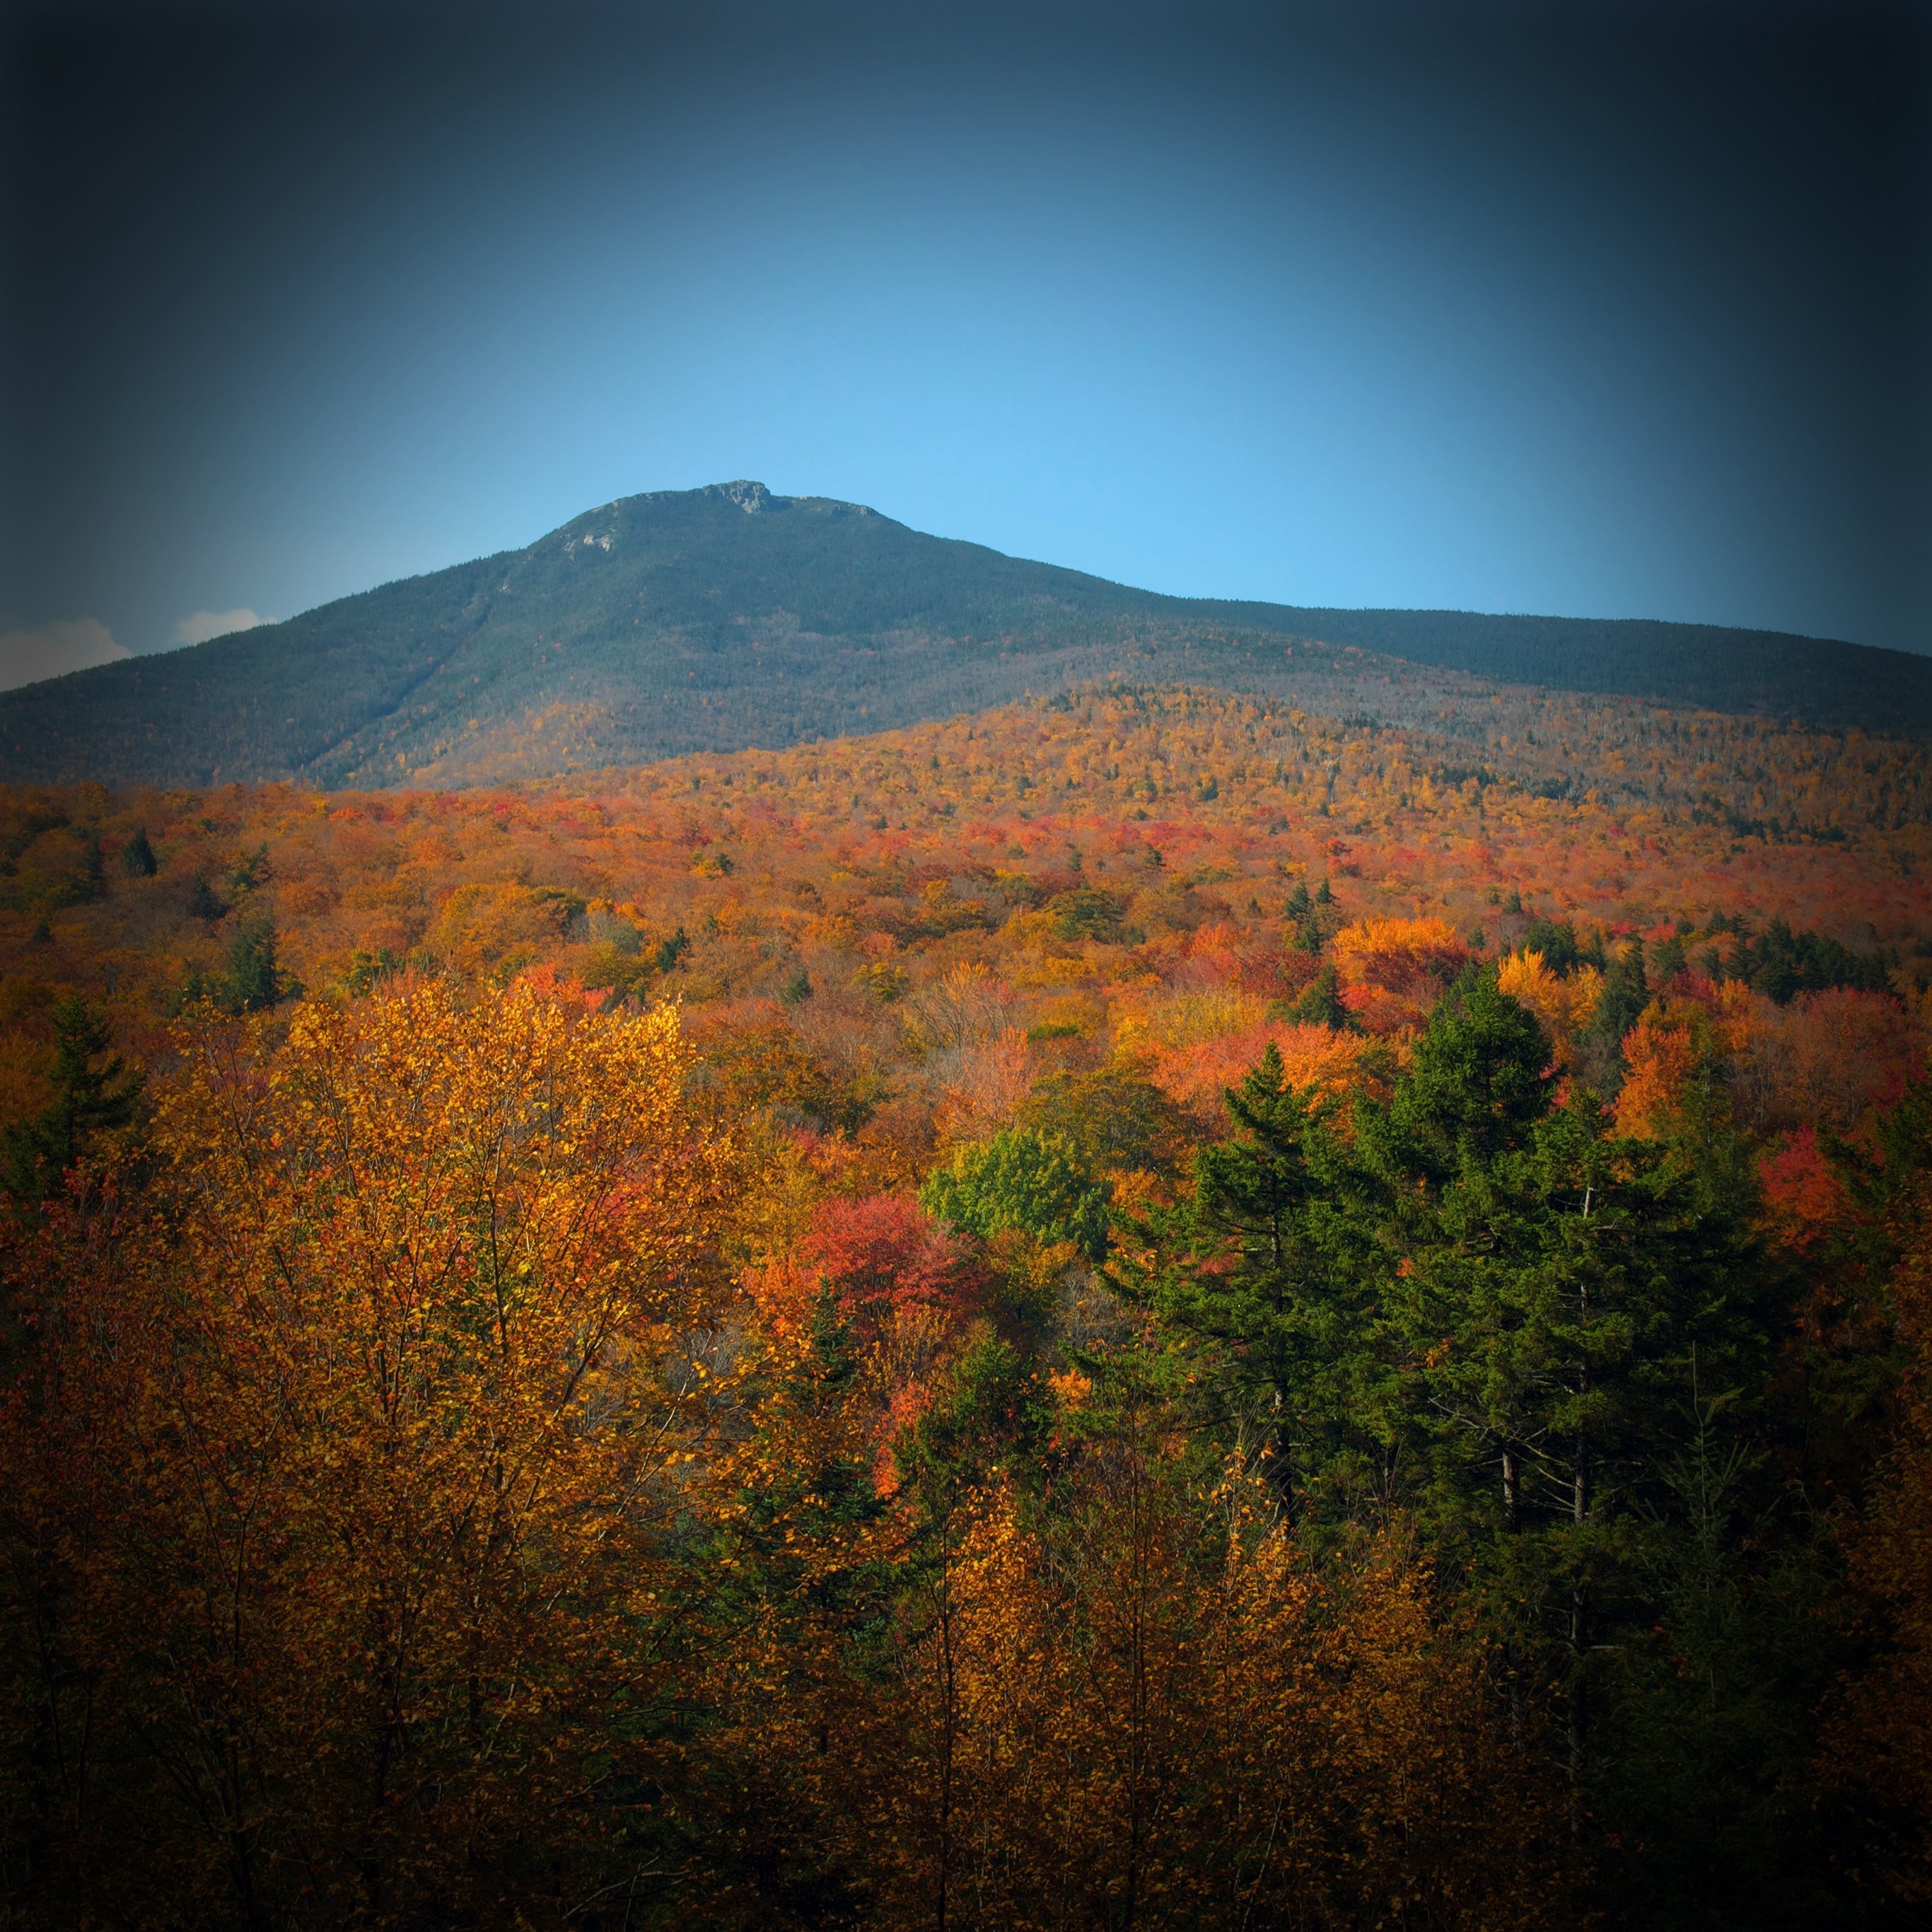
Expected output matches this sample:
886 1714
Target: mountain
716 619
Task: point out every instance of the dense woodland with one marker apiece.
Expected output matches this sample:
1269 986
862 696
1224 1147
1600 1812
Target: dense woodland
1145 1309
714 619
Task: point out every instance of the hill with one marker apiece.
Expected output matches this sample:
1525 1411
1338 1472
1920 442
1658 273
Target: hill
711 619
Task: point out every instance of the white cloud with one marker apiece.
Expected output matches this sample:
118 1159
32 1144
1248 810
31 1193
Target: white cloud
199 626
54 650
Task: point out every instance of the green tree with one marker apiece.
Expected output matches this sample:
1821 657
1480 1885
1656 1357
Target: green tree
1481 1079
1554 1313
1556 942
137 855
1106 1116
1022 1179
1263 1267
88 1100
253 983
1625 994
1487 1314
1320 1003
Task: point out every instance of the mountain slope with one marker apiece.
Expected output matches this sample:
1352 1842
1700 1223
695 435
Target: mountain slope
711 619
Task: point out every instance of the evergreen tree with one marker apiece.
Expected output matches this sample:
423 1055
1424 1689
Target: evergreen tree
89 1100
1320 1003
1625 994
1556 942
253 983
137 855
1571 1290
1491 1314
1264 1268
1481 1079
991 1414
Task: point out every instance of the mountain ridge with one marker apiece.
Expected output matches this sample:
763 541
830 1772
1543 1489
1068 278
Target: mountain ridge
727 617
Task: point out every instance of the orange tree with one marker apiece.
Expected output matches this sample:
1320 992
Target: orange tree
350 1463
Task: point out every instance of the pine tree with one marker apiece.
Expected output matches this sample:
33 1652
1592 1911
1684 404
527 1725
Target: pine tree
1320 1002
253 982
137 855
88 1100
1481 1079
1625 994
1263 1266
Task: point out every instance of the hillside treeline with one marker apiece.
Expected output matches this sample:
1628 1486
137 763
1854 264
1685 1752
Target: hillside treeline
1147 1310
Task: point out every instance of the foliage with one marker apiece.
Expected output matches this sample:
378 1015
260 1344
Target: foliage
1880 1740
1111 1117
380 1416
1099 1353
88 1100
1017 1180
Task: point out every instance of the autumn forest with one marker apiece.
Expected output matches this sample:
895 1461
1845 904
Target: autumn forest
1140 1309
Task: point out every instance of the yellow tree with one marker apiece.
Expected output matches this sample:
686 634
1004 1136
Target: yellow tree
401 1384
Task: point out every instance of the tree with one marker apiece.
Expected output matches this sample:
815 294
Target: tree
1625 994
88 1100
1320 1003
1019 1180
1490 1313
390 1405
1572 1290
1879 1744
1481 1079
253 983
1111 1117
137 855
1263 1265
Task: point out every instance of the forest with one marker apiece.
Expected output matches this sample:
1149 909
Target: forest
1149 1307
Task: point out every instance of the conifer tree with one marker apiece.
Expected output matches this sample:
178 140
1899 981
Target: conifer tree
137 855
1321 1001
1625 994
1263 1265
89 1100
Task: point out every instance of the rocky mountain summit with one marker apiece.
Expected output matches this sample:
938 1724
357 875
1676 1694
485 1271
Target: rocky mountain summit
728 617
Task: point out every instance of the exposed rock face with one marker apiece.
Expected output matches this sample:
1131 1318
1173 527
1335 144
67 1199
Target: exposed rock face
750 497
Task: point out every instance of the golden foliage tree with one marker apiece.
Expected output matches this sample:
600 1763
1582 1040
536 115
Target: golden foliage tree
1128 1711
383 1410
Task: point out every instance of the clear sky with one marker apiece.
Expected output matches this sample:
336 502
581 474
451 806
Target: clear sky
1611 310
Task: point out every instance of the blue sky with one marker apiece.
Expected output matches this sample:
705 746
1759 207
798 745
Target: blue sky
1398 307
